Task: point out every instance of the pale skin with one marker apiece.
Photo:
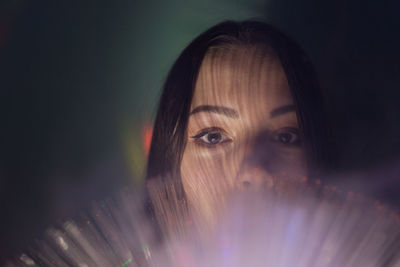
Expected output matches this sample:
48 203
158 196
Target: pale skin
243 132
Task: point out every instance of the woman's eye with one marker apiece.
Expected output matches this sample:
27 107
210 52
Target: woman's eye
211 137
287 136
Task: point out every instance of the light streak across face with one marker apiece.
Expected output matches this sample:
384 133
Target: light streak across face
243 132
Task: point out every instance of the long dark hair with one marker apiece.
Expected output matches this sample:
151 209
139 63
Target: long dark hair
168 140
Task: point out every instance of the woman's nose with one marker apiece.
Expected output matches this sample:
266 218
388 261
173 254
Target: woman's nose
257 165
254 179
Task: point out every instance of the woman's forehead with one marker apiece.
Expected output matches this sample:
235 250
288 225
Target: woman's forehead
241 76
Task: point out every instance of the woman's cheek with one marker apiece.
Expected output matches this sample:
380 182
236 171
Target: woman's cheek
207 179
214 171
294 164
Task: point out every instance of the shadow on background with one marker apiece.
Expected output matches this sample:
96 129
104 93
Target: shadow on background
79 79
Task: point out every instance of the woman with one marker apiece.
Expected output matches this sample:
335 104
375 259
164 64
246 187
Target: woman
240 110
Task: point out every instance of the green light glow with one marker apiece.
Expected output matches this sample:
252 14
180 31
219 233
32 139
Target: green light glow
127 262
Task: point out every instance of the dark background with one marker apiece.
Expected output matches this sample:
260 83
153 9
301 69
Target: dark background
80 79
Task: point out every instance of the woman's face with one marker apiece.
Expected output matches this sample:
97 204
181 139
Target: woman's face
243 132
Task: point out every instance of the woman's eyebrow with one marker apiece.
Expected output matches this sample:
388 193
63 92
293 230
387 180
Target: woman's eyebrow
282 110
230 112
